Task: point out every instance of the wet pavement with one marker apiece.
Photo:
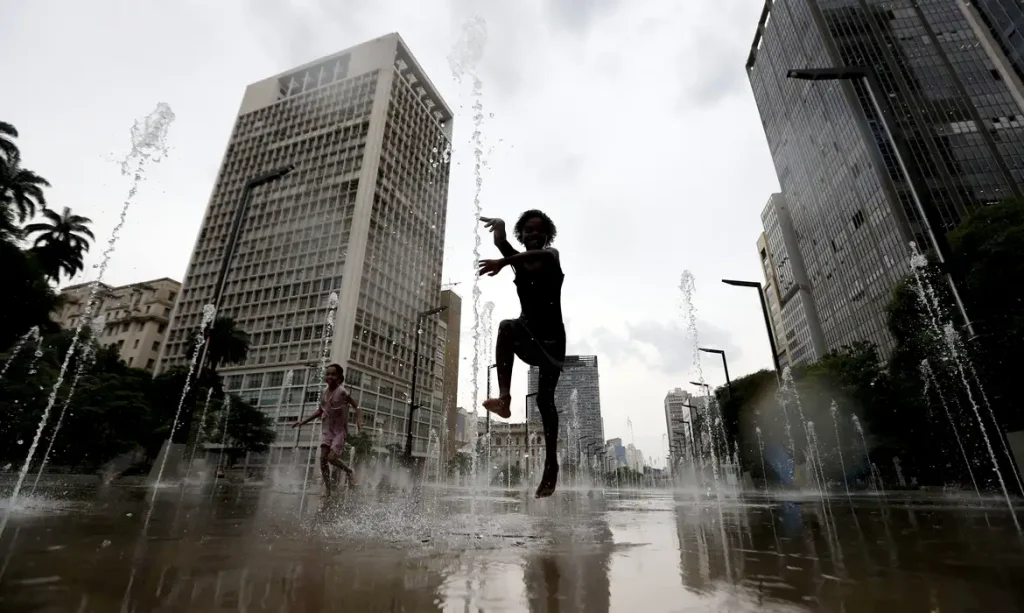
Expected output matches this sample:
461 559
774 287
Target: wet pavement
248 548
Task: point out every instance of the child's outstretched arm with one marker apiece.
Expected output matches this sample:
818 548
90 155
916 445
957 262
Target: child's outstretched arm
493 267
315 414
497 227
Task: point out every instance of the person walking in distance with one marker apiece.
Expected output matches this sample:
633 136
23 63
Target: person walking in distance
537 336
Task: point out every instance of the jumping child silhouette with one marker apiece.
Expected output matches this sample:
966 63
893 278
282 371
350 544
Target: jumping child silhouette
538 335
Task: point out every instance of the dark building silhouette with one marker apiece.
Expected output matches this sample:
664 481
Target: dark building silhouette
851 206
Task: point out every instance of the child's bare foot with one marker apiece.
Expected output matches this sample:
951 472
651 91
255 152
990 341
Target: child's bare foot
548 482
502 407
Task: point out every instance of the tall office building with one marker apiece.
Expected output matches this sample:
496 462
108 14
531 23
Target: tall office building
362 214
999 26
452 326
580 374
677 424
851 207
798 332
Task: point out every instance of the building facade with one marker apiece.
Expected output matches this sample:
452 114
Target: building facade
999 26
799 337
579 374
614 454
677 424
772 298
362 215
452 317
851 207
135 316
635 459
515 444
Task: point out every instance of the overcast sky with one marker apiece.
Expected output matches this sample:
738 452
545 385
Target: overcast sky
631 123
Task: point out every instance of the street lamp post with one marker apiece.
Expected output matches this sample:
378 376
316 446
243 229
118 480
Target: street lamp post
181 435
767 320
526 412
725 365
415 369
934 228
704 386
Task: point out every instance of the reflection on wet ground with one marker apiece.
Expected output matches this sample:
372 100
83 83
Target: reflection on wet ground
248 549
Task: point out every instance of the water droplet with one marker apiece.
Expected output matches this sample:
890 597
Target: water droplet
105 543
128 514
21 442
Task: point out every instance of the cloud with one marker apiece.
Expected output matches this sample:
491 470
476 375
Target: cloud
712 59
577 15
663 346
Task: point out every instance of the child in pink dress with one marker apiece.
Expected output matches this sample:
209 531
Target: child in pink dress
334 404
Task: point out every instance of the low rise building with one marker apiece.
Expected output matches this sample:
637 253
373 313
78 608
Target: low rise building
135 316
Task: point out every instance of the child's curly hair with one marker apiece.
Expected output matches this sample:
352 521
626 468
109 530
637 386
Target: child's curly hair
549 226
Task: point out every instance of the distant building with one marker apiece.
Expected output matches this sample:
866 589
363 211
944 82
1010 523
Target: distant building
798 335
635 458
136 316
580 373
462 419
677 424
451 328
772 298
614 454
514 444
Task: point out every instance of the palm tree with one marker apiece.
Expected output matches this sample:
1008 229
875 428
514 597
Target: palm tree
7 135
229 344
21 190
61 242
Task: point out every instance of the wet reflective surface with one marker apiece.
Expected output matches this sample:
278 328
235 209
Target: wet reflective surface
249 549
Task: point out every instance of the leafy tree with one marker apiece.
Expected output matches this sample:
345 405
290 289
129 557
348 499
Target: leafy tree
8 148
461 463
362 443
28 298
21 191
167 390
987 260
60 242
229 344
240 426
749 405
102 420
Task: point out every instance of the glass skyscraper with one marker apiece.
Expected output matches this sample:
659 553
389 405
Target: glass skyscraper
363 215
850 205
579 374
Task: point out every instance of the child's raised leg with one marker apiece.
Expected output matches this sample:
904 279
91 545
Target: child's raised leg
505 354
